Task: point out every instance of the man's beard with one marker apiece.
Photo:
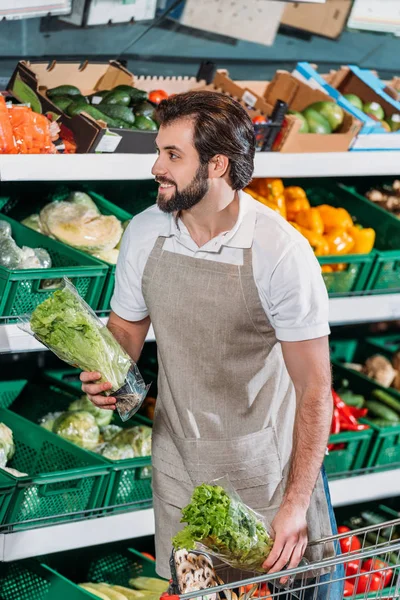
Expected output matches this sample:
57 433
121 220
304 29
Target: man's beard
189 196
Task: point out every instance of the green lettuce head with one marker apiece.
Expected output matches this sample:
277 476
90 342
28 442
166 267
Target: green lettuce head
78 427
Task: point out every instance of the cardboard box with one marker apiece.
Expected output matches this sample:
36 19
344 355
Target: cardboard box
28 9
90 135
366 85
328 19
298 96
372 135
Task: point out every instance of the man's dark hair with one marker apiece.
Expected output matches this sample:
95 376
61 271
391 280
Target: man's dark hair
221 126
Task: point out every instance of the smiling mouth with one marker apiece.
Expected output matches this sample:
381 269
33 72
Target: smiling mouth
166 186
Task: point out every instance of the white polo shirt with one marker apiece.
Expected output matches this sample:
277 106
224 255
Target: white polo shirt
286 272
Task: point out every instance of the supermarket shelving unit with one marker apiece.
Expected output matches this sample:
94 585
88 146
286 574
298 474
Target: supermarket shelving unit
368 308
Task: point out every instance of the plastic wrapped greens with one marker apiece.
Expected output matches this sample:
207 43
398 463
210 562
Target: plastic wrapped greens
68 326
47 422
13 257
102 416
220 523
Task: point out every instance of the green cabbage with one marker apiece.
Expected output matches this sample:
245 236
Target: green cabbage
33 222
113 452
7 446
103 417
138 437
67 326
78 427
226 527
109 432
47 422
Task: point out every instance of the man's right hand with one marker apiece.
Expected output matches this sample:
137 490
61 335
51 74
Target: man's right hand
94 390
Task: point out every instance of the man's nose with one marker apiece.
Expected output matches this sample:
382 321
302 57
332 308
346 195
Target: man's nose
158 168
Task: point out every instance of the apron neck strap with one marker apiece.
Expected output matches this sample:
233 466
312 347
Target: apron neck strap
247 258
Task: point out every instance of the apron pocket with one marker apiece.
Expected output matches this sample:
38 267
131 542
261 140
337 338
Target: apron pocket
251 463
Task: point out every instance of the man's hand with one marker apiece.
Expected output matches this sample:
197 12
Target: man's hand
94 390
290 539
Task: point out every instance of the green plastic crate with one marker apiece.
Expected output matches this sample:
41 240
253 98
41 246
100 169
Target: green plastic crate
115 566
130 480
360 267
338 463
18 209
21 290
62 478
389 344
385 444
7 488
29 580
385 275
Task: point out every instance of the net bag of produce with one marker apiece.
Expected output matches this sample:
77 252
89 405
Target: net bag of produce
219 522
69 328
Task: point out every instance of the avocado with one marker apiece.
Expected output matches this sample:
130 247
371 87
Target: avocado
99 94
62 102
304 125
394 122
374 110
134 93
63 90
145 123
145 109
116 111
116 97
331 112
354 100
316 122
75 108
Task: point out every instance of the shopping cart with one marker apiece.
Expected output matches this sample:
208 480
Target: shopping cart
369 569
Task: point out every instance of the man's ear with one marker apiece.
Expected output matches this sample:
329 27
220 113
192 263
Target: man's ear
218 166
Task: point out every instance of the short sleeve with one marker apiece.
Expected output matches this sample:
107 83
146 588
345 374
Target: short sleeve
298 304
127 301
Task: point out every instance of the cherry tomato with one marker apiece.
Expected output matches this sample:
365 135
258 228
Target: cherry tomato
374 564
148 555
348 544
348 589
365 582
258 119
352 568
156 96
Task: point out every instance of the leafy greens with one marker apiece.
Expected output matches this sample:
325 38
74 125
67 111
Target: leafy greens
226 527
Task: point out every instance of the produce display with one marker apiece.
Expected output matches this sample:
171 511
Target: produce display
7 450
375 111
320 117
381 369
219 521
329 230
67 326
23 131
13 257
386 196
122 107
78 222
142 588
347 409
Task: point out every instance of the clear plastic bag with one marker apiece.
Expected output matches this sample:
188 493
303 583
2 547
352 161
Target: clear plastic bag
219 522
69 328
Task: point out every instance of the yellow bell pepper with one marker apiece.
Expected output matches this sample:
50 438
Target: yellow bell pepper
364 239
310 219
267 186
296 200
334 218
317 241
339 241
326 269
279 208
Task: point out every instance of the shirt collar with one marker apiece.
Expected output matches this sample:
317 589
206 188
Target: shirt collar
240 236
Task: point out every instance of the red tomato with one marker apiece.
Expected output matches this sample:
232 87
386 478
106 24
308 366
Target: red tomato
348 589
352 567
156 96
374 564
258 119
366 582
348 544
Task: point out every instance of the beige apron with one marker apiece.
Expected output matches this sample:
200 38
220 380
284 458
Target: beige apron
226 404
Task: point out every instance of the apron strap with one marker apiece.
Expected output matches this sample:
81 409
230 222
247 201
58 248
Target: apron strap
158 247
247 260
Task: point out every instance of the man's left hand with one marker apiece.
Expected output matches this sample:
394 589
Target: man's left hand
290 539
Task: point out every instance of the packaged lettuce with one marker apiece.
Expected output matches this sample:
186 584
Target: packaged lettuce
220 523
69 328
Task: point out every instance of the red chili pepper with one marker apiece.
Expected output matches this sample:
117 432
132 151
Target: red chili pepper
335 427
344 410
345 426
358 413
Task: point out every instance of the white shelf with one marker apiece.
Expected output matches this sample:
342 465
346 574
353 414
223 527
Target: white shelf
96 167
365 488
343 311
78 534
12 339
125 526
